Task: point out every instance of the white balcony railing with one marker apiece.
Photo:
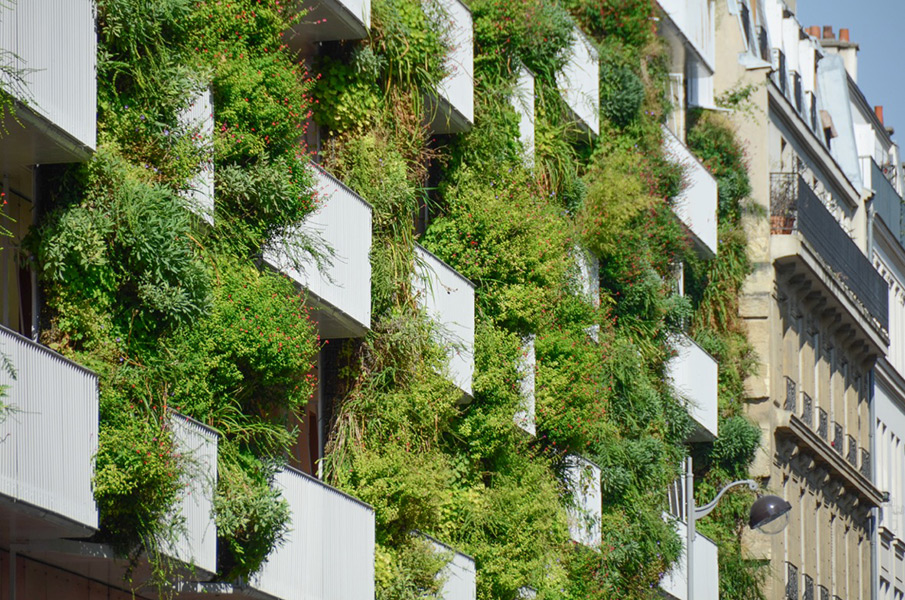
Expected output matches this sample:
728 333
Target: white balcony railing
694 20
52 46
579 82
459 576
693 374
696 205
448 298
328 553
331 20
706 560
196 541
582 479
453 110
523 103
340 292
198 120
49 440
527 363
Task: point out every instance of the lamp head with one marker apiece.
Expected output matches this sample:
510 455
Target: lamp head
769 514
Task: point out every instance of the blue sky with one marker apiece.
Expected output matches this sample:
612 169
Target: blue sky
877 27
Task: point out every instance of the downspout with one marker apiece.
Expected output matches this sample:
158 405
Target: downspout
872 427
875 511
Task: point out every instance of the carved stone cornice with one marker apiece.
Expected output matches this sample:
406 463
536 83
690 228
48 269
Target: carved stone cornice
847 479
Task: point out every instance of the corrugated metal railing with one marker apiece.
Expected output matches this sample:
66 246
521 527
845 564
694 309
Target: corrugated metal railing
329 551
197 446
448 298
50 438
459 574
56 47
795 207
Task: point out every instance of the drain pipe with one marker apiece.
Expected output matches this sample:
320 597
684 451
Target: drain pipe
875 511
12 572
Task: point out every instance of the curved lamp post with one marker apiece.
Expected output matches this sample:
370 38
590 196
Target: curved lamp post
769 514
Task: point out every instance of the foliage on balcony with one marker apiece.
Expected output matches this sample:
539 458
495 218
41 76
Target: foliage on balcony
171 312
719 328
174 313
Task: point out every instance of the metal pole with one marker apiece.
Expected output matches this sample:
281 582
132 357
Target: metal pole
689 541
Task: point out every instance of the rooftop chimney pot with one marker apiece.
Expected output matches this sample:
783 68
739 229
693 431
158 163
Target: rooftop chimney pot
828 32
814 31
878 110
844 35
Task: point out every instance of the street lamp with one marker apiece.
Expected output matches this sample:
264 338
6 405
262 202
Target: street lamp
769 514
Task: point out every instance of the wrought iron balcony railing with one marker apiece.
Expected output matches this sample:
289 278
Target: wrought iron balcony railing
796 208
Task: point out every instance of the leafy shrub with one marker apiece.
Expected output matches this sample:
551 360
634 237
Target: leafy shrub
136 481
621 89
251 516
261 204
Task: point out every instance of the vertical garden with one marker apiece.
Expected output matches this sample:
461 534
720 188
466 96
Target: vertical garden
176 310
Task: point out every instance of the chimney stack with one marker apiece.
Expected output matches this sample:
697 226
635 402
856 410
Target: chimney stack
814 31
843 35
878 110
828 32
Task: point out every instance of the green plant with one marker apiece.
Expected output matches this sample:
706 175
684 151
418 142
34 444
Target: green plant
250 514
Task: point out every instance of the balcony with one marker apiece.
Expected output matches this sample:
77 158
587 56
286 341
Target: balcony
198 121
196 544
331 20
329 551
706 559
806 235
339 291
696 205
523 103
459 580
887 203
448 299
692 21
579 83
693 374
526 366
451 107
582 480
52 45
49 443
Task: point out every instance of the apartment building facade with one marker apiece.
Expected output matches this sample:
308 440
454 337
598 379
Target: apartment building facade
817 304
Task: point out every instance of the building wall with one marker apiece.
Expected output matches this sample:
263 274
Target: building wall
37 581
797 341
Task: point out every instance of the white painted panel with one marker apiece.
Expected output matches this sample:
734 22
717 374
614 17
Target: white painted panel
696 205
527 364
198 121
448 299
53 45
196 543
579 82
790 43
706 569
328 553
807 62
457 88
459 574
523 103
343 222
693 374
582 480
50 439
694 18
